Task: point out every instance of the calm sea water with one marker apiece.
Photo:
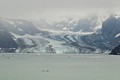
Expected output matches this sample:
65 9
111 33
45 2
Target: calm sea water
59 67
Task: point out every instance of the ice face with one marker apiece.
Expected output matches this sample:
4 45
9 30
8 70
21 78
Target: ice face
59 67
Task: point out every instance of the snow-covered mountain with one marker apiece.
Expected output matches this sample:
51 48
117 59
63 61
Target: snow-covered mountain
73 24
70 35
19 26
6 40
108 38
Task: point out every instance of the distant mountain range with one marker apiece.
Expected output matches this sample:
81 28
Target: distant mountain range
71 35
74 24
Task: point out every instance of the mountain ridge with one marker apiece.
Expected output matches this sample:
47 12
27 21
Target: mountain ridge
31 37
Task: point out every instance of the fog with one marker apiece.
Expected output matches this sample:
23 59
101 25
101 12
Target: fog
45 8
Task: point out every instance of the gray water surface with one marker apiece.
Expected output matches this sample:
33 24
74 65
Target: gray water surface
59 67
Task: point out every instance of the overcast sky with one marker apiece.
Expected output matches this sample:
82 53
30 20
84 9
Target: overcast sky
42 8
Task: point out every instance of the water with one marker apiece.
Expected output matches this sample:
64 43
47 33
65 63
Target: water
59 67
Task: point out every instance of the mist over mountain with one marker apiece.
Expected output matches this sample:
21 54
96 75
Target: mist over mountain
70 35
109 35
73 24
6 39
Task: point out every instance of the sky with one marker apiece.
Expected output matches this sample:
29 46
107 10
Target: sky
47 8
